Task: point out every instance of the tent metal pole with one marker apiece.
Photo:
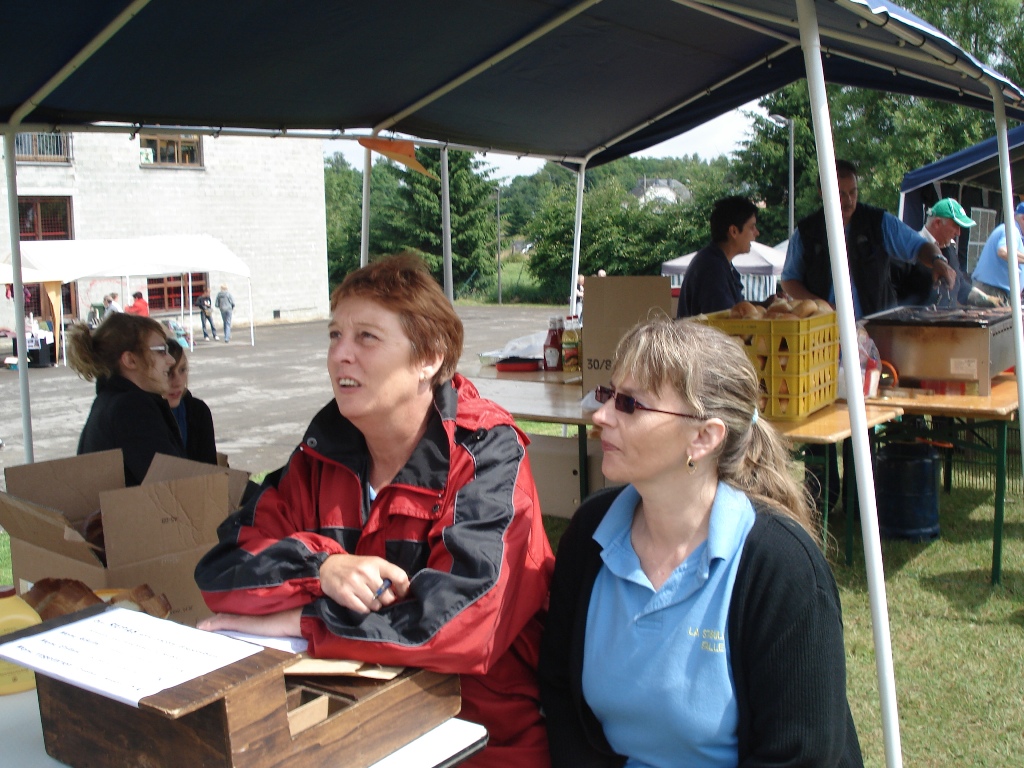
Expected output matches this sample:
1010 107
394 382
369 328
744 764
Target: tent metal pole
252 320
364 232
811 43
577 236
446 226
19 291
1003 142
191 320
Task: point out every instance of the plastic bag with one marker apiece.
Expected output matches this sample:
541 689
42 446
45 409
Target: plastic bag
870 365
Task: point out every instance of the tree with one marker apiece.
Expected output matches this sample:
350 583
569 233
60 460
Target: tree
342 193
472 219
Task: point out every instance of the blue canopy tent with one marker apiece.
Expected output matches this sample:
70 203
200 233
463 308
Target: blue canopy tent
581 82
970 175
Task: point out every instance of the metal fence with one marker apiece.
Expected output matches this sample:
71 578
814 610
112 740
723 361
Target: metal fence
43 147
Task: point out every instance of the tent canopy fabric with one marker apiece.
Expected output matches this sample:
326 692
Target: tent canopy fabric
67 260
564 79
976 166
761 260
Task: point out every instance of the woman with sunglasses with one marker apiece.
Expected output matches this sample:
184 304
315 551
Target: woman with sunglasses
128 359
693 618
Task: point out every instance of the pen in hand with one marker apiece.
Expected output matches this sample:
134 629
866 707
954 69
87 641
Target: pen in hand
383 588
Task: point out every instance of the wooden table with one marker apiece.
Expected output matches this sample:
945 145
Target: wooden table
829 427
526 397
997 409
21 737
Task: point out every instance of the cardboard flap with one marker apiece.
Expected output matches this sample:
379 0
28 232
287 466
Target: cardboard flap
162 518
611 307
42 527
71 485
165 468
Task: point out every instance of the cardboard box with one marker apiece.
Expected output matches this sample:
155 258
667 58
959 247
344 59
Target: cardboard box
555 462
611 307
154 533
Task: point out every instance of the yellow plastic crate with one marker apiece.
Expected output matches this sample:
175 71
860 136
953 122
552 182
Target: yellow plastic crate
797 360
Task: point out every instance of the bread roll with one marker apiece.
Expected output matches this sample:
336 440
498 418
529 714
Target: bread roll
743 310
56 597
823 306
805 308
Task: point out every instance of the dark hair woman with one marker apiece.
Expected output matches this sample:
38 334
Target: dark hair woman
128 359
406 527
195 422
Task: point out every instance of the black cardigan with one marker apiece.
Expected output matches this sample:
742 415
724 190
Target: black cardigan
200 445
785 634
140 423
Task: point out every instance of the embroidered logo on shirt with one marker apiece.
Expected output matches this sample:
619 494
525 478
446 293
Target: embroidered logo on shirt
711 640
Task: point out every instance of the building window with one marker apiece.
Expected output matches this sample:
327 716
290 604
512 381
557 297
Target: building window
43 147
46 218
176 151
166 293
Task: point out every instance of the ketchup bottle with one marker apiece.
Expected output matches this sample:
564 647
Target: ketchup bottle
553 346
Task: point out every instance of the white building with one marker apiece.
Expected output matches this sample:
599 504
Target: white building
262 197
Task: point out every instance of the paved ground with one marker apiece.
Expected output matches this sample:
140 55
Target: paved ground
262 396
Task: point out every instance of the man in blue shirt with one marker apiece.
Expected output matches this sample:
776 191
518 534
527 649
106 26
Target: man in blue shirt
873 238
992 275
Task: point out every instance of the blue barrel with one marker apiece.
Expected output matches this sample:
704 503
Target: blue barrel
907 482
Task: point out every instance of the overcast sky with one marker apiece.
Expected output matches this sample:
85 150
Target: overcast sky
720 136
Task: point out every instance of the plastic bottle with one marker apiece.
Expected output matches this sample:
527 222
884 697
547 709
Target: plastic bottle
571 345
15 614
553 346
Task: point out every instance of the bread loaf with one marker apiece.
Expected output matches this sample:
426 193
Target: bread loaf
56 597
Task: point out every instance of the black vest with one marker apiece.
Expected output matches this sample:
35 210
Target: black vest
865 248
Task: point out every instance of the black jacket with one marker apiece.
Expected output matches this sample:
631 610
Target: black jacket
200 445
785 633
865 250
140 423
711 284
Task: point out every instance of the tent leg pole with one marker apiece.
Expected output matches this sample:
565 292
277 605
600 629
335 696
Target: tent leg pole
252 320
191 320
810 42
446 226
1003 143
577 237
364 236
19 293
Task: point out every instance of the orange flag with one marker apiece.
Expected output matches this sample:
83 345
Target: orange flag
403 152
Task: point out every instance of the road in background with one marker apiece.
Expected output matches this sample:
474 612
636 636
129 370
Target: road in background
261 397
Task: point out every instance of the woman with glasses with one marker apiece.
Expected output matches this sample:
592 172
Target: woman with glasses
195 422
406 527
693 618
128 359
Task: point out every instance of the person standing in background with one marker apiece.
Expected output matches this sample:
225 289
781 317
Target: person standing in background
205 304
992 275
225 302
139 306
712 282
112 307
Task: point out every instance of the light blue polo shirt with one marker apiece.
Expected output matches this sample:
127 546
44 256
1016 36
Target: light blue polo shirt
993 270
901 243
656 666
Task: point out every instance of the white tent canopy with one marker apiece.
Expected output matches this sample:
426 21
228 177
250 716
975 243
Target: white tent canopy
68 260
761 260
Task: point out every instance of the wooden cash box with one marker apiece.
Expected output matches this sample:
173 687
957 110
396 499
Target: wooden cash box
247 714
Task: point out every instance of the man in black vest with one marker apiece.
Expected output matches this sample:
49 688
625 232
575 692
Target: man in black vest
874 237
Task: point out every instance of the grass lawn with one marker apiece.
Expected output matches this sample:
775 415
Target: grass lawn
958 642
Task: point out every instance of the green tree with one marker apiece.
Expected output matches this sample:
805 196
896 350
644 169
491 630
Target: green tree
472 214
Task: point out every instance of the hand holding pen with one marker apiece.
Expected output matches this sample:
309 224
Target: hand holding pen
362 583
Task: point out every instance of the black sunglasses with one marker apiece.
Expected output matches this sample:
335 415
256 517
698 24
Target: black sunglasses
628 404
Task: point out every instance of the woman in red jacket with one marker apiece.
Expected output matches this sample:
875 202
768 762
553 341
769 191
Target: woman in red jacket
406 528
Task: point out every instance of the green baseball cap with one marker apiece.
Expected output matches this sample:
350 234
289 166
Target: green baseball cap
948 208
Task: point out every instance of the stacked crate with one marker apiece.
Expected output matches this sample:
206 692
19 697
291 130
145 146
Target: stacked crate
797 361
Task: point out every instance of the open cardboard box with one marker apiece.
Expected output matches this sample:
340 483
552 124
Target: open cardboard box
154 533
611 307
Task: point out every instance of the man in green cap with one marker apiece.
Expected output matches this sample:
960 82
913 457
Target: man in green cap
942 226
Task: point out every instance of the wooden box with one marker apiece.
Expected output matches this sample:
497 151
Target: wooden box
247 714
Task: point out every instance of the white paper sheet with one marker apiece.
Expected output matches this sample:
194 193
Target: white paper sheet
126 655
289 644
